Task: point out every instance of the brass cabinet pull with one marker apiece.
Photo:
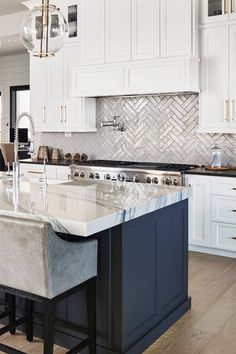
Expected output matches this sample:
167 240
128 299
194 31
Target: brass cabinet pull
226 110
44 114
224 7
36 172
231 110
61 113
65 114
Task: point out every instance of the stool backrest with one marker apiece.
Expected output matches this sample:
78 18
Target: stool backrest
35 260
7 153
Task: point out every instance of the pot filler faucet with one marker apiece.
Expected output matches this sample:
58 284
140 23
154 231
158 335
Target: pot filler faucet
16 164
113 123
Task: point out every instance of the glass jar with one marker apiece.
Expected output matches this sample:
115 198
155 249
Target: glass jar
216 153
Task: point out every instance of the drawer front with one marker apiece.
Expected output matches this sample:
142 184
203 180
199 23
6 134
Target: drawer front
95 82
224 186
156 78
36 171
223 209
223 236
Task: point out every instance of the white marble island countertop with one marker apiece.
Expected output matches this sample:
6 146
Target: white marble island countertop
85 207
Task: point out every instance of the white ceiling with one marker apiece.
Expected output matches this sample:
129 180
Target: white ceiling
10 45
11 6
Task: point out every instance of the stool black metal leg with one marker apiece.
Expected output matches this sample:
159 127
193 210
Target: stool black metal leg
11 299
29 319
91 311
49 325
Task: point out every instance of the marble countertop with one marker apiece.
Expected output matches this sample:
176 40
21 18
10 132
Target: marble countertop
84 207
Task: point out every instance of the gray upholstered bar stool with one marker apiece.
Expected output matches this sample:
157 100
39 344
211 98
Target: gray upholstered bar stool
37 265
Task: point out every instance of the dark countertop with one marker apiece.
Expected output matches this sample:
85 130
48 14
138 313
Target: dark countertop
202 171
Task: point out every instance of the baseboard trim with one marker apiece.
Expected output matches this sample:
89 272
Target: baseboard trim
213 251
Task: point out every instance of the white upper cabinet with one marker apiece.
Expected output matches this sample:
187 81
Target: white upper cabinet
145 29
117 30
52 105
217 10
232 77
137 47
214 80
176 28
38 93
92 24
218 79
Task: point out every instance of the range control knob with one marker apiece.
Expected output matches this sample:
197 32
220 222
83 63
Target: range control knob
97 176
136 179
107 176
167 180
149 180
155 180
175 182
82 174
76 174
91 175
121 178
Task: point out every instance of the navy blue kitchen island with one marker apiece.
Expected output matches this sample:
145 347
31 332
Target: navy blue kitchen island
142 286
142 283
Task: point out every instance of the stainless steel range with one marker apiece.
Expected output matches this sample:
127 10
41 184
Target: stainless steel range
126 171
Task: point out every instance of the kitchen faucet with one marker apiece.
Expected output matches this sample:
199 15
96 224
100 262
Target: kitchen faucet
16 164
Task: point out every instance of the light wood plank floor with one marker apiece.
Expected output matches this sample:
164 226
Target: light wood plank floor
210 326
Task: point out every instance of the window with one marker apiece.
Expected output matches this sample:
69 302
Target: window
20 102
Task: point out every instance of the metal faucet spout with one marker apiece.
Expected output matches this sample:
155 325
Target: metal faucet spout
16 141
16 164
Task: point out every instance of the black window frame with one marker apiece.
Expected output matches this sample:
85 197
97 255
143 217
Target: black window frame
13 94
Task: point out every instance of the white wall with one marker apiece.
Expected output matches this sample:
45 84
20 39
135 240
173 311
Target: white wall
14 71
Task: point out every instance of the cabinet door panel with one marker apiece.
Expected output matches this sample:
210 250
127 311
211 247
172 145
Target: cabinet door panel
55 86
214 78
118 30
232 73
92 31
38 92
176 27
199 211
145 29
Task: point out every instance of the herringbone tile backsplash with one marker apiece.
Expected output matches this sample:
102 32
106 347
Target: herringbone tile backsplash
158 128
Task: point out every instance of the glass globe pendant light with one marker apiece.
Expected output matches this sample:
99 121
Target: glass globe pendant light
44 30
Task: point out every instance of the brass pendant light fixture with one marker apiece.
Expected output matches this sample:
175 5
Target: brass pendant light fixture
44 30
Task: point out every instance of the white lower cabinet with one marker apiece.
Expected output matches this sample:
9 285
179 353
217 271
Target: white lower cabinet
35 171
199 210
212 214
